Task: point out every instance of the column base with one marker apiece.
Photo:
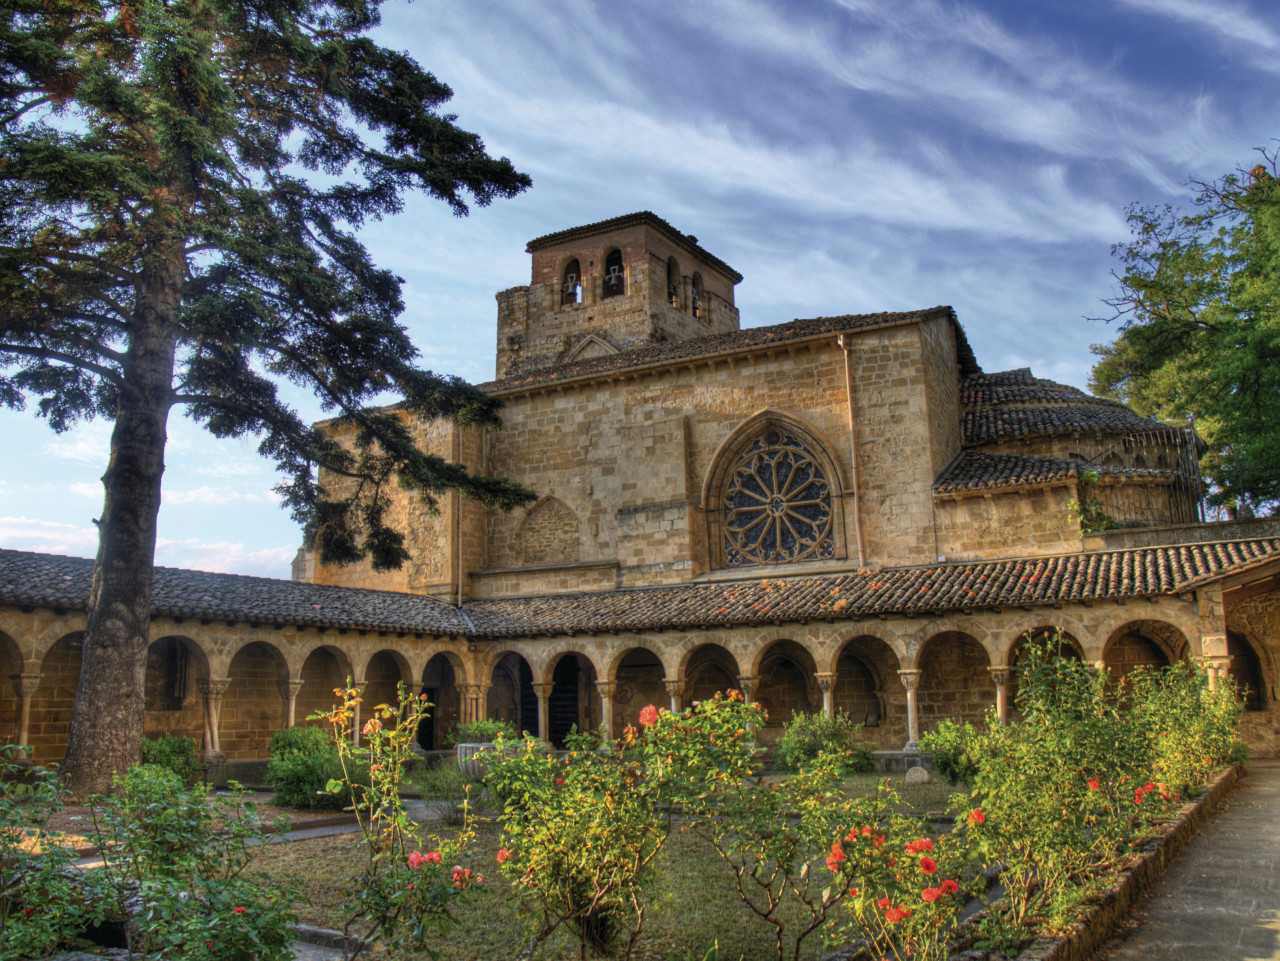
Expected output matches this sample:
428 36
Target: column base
911 747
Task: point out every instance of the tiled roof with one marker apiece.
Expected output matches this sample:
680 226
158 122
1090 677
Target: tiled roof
644 217
944 587
50 580
737 340
1013 403
982 425
1020 387
978 470
47 580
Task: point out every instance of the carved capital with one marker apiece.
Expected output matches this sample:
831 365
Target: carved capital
825 680
213 687
747 684
543 690
673 686
910 680
289 689
26 684
999 675
607 689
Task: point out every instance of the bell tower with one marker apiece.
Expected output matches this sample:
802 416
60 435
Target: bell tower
609 287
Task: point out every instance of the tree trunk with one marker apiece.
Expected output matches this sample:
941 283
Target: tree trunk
106 727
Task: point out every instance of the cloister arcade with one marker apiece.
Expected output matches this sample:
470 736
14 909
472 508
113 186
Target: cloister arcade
229 686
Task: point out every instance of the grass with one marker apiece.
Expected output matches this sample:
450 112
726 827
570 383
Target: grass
692 903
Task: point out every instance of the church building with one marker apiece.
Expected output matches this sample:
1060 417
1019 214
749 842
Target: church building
839 513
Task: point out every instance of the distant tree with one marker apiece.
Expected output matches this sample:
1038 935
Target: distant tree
179 180
1199 306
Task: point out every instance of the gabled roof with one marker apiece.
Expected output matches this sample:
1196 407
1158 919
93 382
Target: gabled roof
51 580
47 580
639 218
738 340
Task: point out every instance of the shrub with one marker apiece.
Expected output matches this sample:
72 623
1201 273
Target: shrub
178 754
950 747
481 731
400 896
303 762
177 862
40 907
808 735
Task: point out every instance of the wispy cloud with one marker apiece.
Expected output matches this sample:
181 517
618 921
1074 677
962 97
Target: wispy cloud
225 557
85 443
1232 21
51 537
218 495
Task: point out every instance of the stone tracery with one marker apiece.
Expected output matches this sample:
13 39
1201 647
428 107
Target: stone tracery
777 506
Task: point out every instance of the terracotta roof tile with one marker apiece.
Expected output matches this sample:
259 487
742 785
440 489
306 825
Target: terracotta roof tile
979 470
982 425
736 340
50 580
53 581
946 587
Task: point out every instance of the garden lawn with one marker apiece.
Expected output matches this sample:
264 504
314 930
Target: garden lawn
692 903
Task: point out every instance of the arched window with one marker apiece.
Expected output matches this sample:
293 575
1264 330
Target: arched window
777 504
571 283
673 283
614 279
698 306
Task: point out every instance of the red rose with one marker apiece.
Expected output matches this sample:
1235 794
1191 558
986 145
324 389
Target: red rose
928 865
1093 784
883 903
241 910
949 887
1148 787
893 915
931 894
977 817
648 716
503 855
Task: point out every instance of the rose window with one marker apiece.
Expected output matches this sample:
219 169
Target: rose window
777 507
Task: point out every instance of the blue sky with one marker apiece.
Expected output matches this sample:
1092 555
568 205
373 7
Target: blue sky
846 156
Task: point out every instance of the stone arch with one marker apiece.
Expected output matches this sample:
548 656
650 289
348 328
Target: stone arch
573 699
757 516
253 707
442 676
867 688
1017 655
785 684
954 680
613 283
55 698
11 667
549 534
325 669
571 282
511 696
175 667
1145 643
639 675
1247 670
706 670
383 673
673 282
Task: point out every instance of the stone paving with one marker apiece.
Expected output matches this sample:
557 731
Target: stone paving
1220 901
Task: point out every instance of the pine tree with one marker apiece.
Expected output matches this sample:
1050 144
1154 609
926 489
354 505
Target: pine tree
179 185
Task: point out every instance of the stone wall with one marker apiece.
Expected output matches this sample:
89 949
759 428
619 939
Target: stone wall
954 681
253 708
51 706
1024 521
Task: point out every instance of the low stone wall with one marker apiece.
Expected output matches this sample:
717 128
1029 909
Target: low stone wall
1108 910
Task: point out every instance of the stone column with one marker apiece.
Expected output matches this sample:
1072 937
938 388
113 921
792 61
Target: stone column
468 696
358 687
607 689
544 710
1218 665
826 683
1000 677
910 680
213 689
25 685
673 691
747 685
289 691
